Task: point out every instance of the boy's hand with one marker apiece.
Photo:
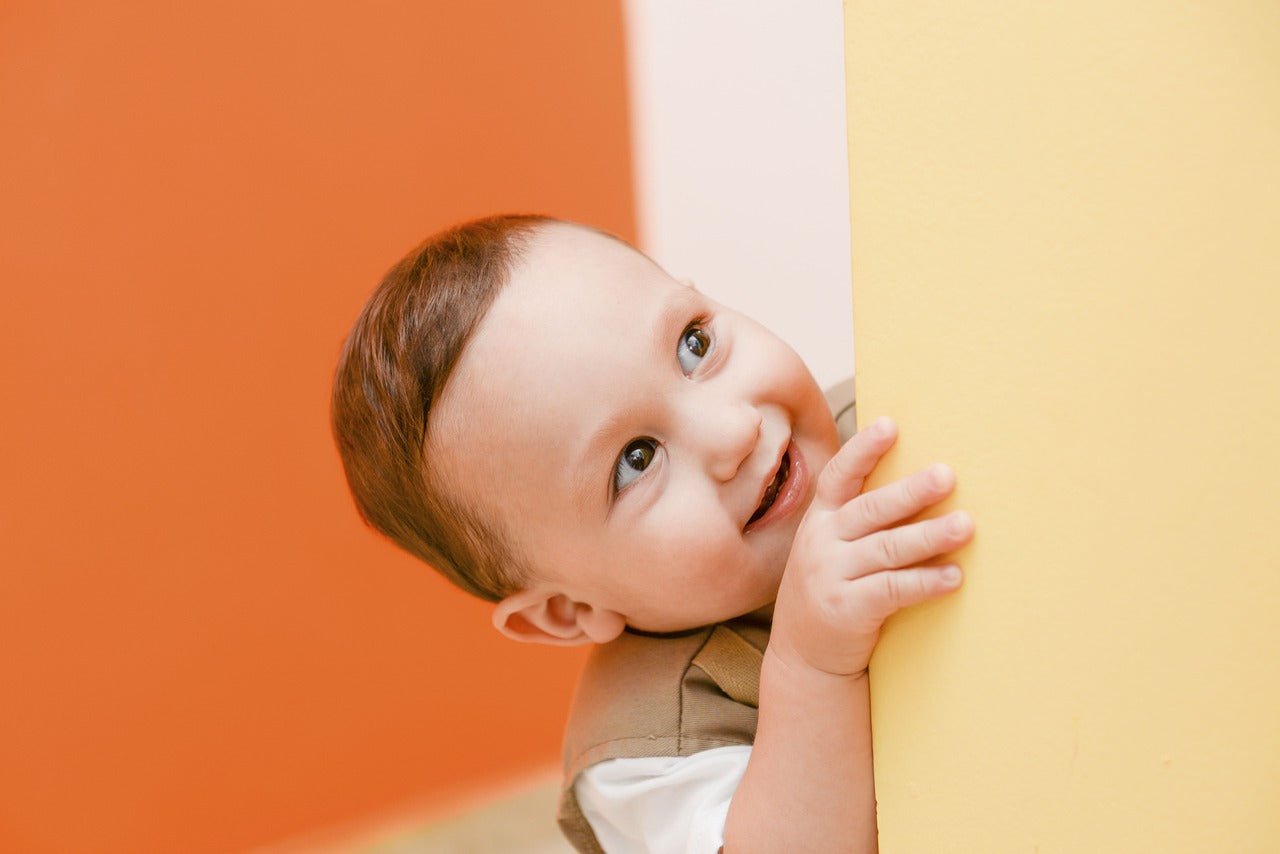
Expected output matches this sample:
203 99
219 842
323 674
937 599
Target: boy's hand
849 569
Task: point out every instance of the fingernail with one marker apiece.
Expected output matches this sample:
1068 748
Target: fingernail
938 473
951 574
960 522
882 426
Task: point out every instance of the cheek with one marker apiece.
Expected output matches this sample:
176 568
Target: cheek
692 507
693 538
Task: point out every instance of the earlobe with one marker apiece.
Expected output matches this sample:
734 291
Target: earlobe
534 616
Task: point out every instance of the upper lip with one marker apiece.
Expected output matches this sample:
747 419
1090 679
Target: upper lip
769 475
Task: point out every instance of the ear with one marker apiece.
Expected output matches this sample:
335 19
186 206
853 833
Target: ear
542 616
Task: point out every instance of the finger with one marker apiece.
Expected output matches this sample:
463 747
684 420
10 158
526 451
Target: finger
910 544
894 502
884 593
842 478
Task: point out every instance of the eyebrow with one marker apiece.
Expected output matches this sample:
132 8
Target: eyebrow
586 489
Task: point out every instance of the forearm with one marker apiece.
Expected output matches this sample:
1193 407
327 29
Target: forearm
809 784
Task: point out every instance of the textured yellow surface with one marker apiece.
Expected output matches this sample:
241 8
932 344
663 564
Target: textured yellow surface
1066 258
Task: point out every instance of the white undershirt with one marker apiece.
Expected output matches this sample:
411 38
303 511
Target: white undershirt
662 804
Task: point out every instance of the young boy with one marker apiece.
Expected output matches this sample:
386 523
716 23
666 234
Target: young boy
542 414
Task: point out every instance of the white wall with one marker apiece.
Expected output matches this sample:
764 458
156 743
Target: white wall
741 161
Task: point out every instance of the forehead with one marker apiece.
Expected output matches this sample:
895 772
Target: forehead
569 286
577 258
553 353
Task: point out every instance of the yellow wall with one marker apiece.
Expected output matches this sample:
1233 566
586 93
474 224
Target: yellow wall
1066 248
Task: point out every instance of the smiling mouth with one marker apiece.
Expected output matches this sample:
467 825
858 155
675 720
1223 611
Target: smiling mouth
771 491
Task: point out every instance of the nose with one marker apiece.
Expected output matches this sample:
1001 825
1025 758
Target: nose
728 433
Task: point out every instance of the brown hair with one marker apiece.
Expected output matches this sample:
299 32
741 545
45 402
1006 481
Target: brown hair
393 367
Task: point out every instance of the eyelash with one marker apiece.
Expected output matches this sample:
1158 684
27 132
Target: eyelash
700 323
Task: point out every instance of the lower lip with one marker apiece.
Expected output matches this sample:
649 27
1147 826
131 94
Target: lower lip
790 493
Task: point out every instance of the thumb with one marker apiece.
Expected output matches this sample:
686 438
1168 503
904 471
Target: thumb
842 478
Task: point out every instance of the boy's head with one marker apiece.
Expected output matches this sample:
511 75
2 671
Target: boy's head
543 414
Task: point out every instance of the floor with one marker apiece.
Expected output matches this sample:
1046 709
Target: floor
521 821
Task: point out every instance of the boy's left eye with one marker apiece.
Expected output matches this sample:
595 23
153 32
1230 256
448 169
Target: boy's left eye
694 346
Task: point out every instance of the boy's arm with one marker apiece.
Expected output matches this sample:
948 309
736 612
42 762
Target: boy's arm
809 784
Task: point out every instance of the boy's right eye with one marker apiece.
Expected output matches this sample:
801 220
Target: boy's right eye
632 462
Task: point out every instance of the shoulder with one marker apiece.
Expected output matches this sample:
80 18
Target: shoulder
667 695
645 696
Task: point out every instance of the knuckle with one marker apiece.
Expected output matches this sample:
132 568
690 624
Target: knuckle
921 585
833 474
912 586
894 594
910 492
830 604
930 536
886 549
942 531
842 463
872 505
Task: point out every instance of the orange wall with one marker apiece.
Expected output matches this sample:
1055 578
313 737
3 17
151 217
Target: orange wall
201 648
